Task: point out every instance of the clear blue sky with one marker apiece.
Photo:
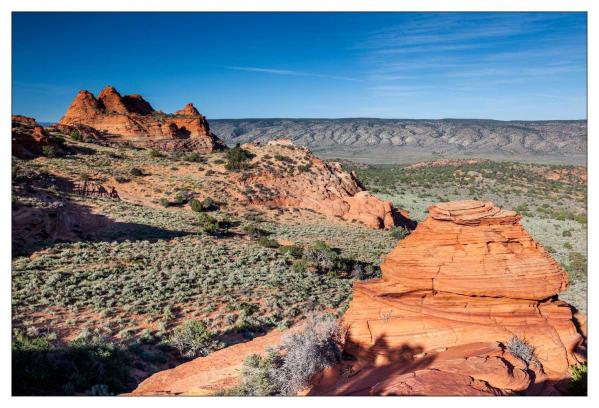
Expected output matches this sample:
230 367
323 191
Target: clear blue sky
507 66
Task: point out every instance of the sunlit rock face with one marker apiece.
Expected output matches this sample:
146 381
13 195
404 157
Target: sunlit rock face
132 119
468 274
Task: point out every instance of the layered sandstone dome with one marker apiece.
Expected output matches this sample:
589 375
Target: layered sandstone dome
131 118
476 249
469 274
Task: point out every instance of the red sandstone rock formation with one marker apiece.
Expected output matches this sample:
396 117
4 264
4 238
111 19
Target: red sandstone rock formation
29 138
469 273
206 375
323 187
131 118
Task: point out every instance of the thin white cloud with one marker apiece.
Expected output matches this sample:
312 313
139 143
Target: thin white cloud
285 72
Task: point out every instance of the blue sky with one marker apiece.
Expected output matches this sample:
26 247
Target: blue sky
507 66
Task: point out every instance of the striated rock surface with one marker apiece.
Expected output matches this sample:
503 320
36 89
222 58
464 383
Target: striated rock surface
29 138
284 175
207 375
469 273
132 119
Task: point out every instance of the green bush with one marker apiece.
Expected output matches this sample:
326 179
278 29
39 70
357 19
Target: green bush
180 197
164 202
399 233
84 366
136 172
196 205
208 224
293 250
76 136
267 242
49 151
237 159
254 231
155 153
578 380
193 339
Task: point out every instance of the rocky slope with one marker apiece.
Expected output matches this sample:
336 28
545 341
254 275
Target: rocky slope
132 119
464 283
29 139
399 140
288 176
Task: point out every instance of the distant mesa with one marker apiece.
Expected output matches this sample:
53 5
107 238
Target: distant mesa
132 119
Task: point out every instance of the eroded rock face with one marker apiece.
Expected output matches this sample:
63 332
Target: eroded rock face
469 273
29 138
132 119
305 181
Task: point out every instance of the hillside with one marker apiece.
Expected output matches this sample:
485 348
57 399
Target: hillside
406 140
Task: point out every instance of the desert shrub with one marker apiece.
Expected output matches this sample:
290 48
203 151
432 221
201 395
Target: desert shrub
49 151
282 158
260 375
237 159
254 231
193 157
577 265
399 232
267 242
293 250
208 224
155 153
76 136
83 366
578 380
567 233
288 369
321 256
521 349
136 172
193 339
180 197
208 204
122 179
196 205
164 202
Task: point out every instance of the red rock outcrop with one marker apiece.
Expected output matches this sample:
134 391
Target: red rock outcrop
29 139
207 375
469 273
297 178
132 119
